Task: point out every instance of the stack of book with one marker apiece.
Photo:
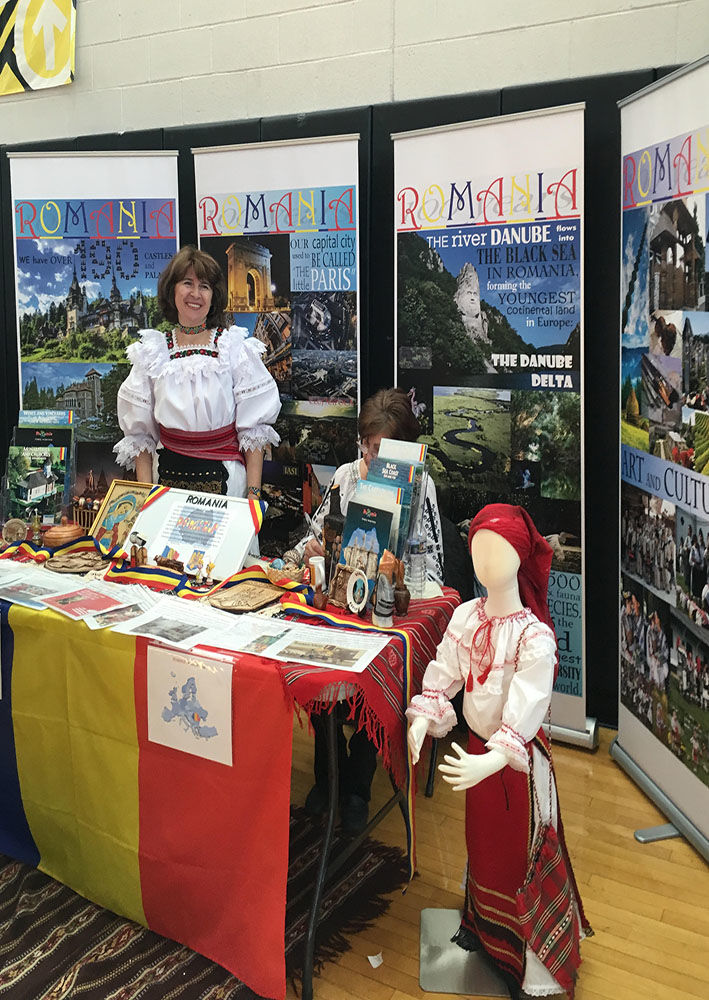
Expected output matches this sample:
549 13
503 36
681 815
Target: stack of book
385 508
39 466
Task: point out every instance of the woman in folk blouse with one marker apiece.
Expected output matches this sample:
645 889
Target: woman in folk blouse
199 395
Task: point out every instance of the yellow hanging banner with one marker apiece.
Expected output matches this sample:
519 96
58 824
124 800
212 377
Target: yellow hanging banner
37 44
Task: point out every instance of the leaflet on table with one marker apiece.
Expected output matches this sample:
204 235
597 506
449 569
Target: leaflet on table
31 588
176 622
126 613
328 647
88 599
251 634
316 645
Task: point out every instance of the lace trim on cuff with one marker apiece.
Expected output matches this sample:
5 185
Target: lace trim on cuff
509 742
434 706
129 448
256 438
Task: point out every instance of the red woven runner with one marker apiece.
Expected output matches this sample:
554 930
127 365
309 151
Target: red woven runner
378 692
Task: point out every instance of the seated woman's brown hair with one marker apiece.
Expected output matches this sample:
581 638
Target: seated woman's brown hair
388 412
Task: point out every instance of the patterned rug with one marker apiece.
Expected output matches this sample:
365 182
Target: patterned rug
56 945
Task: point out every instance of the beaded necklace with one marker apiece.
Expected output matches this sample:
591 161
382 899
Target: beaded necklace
191 331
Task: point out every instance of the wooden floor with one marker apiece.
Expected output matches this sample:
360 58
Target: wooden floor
647 904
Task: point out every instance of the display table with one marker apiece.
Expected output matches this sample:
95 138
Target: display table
191 848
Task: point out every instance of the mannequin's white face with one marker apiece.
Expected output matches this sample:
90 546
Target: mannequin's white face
495 561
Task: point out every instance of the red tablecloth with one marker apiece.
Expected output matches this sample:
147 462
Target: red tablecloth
384 689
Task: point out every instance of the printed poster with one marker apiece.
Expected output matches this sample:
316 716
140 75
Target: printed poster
189 703
489 251
92 234
664 425
282 221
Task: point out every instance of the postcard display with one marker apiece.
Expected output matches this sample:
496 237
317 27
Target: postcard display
281 218
663 716
93 231
489 337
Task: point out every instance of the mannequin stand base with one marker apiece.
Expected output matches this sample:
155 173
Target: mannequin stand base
446 968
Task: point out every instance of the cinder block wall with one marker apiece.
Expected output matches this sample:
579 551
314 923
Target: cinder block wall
152 63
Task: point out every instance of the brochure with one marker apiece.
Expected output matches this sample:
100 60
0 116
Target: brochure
365 537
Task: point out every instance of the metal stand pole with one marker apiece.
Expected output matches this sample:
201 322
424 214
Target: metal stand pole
333 789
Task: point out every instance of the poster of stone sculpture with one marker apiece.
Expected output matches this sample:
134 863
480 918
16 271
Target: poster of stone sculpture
281 220
664 427
489 251
92 234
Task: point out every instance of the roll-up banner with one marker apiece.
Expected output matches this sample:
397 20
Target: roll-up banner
663 718
281 218
489 338
92 233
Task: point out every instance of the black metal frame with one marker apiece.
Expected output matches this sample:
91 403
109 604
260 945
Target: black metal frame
326 869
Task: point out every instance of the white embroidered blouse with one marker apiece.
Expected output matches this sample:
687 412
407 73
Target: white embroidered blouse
508 707
196 389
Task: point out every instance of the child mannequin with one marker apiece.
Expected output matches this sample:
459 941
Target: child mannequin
503 650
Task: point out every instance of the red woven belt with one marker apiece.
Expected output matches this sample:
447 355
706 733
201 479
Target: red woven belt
220 444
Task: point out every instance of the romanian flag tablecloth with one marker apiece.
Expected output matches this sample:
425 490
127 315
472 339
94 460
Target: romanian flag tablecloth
194 849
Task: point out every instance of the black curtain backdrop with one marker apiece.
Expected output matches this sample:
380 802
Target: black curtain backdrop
375 126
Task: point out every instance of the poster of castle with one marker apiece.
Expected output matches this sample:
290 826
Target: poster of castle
86 282
664 426
284 229
489 257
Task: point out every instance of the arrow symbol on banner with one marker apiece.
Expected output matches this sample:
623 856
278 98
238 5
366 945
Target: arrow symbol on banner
49 18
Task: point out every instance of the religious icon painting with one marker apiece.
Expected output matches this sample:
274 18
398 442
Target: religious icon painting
117 513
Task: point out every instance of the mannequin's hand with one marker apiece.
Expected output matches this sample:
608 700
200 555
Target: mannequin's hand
468 769
417 734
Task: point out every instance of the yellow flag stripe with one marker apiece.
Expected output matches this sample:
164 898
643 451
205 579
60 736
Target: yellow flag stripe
8 27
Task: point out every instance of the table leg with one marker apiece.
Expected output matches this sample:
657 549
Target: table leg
333 783
431 768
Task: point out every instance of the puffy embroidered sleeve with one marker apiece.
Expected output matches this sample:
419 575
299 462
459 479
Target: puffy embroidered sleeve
528 697
442 680
255 391
135 404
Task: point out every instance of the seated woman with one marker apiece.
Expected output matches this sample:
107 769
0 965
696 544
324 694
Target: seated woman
385 414
200 391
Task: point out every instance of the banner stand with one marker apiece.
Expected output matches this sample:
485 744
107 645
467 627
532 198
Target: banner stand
683 826
586 738
663 726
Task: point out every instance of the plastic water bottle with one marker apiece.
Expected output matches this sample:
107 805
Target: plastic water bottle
415 565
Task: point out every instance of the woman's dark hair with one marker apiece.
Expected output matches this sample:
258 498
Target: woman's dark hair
388 412
206 269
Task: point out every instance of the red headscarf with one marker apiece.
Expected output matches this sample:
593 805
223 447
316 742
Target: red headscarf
535 554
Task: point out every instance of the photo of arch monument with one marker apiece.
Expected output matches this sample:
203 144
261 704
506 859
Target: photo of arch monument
256 269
